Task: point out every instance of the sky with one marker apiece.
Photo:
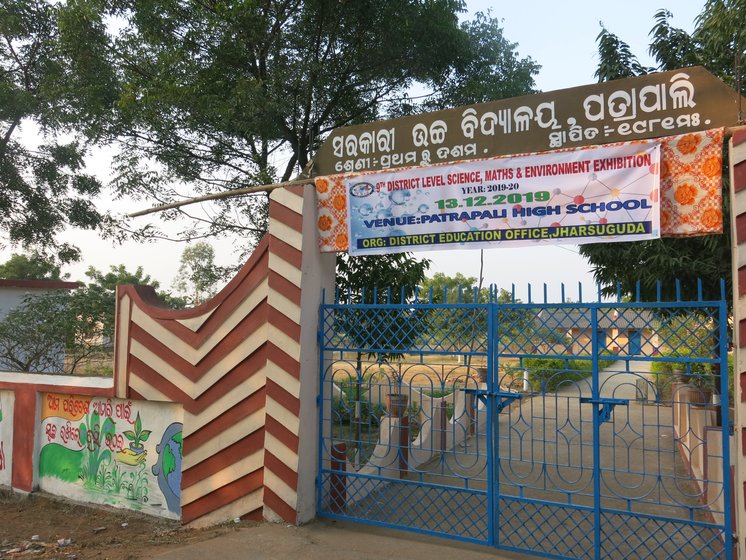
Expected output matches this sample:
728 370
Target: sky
561 37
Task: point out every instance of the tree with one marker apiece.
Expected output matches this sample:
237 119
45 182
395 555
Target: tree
55 332
490 70
456 289
61 331
374 281
29 267
468 326
198 274
217 96
44 188
717 43
102 293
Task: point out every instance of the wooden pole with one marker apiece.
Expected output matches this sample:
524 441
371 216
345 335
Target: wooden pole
223 194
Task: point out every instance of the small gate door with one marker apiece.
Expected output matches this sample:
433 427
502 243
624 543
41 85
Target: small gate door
635 343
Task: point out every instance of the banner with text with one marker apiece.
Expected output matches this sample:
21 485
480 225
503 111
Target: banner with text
602 194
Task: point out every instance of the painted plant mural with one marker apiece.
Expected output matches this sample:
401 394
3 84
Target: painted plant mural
105 451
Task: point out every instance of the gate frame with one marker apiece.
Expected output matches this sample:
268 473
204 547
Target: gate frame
491 352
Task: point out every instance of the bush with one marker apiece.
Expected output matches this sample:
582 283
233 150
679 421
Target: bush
343 411
552 373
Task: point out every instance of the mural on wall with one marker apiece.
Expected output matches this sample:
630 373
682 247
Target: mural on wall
118 452
6 436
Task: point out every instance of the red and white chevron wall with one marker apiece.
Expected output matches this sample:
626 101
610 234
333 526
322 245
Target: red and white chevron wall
737 158
235 365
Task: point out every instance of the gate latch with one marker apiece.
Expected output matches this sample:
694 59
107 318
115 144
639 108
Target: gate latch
607 406
501 398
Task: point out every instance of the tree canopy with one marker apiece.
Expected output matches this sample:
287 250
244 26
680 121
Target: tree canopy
198 274
213 96
44 185
29 267
717 43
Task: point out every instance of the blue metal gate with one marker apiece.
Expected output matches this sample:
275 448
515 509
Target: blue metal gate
530 426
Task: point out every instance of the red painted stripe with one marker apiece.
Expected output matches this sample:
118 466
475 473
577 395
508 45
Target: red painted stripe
218 317
742 333
741 228
739 176
276 504
256 515
228 307
238 375
280 395
284 287
223 496
223 459
281 470
135 395
139 294
286 252
287 363
285 324
158 382
742 280
230 417
285 215
24 420
297 190
277 430
739 136
742 381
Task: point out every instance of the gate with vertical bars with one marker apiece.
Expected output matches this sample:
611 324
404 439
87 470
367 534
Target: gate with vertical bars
594 429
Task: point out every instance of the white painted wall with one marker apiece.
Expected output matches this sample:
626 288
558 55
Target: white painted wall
7 400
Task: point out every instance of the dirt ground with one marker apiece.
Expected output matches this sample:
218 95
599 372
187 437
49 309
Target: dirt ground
41 526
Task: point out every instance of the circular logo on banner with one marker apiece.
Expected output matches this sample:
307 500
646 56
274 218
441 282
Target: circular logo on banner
361 190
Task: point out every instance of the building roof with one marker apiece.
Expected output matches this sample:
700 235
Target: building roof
624 319
38 284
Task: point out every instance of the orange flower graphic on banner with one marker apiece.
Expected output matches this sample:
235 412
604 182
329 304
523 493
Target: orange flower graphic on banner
665 169
322 185
688 144
712 218
712 166
342 241
685 194
665 219
339 202
325 223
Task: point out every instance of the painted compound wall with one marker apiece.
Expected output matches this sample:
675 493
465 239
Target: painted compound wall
117 452
6 436
235 364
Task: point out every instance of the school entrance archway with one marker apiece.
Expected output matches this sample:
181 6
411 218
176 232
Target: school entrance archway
579 448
